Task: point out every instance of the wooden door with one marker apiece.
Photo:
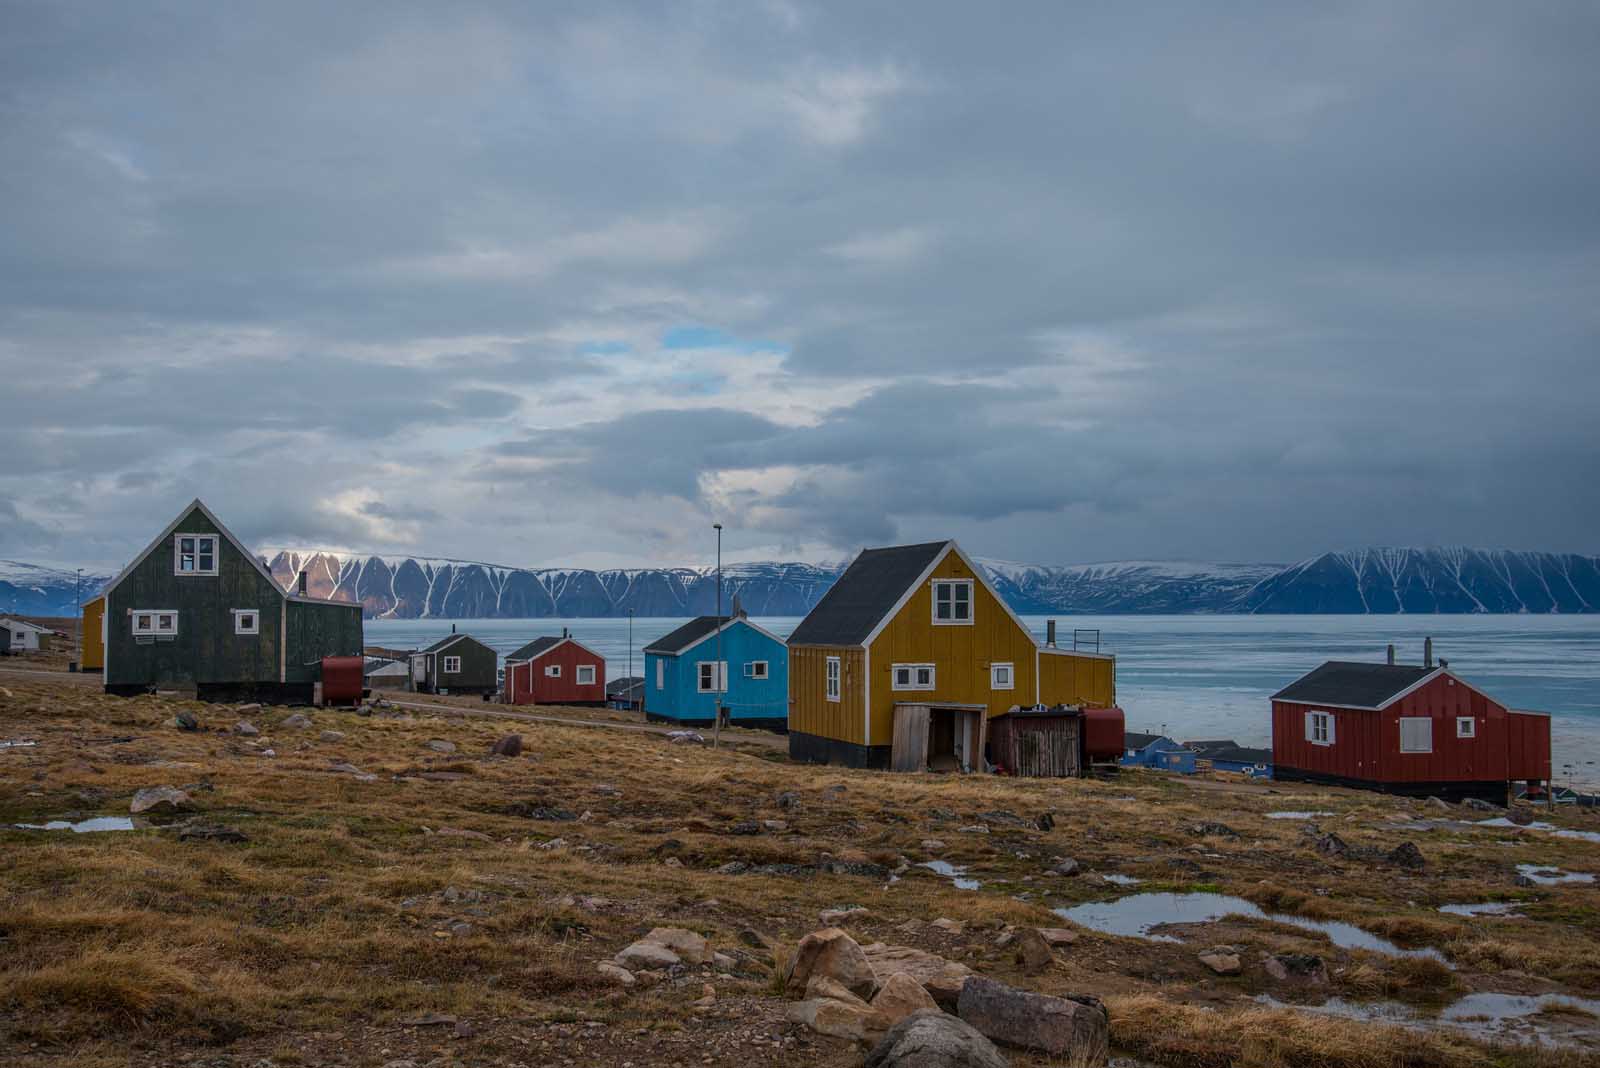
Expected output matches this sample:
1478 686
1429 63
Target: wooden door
910 749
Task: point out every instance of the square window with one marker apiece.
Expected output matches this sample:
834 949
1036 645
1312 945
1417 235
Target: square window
1416 734
452 665
585 674
1001 677
832 678
952 602
902 678
553 671
246 621
924 676
755 669
1466 727
194 554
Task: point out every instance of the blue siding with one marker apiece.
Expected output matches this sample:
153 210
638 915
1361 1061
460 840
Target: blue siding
1163 753
1243 768
764 701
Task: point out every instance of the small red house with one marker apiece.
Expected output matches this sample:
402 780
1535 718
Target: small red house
555 671
1406 730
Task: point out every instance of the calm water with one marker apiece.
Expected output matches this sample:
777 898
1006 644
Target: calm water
1206 676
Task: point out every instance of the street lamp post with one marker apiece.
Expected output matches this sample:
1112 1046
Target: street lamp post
630 658
77 602
716 729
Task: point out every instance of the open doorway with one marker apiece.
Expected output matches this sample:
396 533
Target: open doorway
941 737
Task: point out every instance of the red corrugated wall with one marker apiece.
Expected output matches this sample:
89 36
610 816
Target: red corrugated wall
533 686
1528 745
1367 744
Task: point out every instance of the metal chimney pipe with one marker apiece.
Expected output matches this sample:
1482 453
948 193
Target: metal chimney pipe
1427 652
1391 654
302 583
1050 633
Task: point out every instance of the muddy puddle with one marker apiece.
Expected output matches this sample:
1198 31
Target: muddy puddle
1548 875
1138 916
1539 825
957 875
1292 815
1503 909
1554 1019
88 826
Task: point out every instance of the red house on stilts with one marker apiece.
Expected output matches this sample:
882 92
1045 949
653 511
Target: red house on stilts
555 671
1406 730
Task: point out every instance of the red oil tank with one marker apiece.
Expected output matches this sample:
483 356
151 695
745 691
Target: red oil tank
342 679
1102 734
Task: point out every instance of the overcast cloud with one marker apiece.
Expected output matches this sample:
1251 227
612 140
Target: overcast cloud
564 284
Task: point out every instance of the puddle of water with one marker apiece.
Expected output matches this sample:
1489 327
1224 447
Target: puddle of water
1546 875
18 745
1487 908
1490 1017
89 826
1539 825
1297 815
1121 880
956 875
1137 915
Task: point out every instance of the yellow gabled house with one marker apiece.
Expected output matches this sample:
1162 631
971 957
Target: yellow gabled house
910 653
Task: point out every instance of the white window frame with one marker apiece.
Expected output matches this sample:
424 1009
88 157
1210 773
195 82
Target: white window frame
1414 747
153 617
447 669
585 669
756 669
700 673
1320 728
661 674
954 601
552 671
1466 727
1010 682
239 625
912 679
832 678
178 554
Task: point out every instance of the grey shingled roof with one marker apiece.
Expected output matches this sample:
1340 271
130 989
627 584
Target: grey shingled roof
626 687
1206 748
686 635
865 593
1240 754
1137 740
1352 685
535 647
446 640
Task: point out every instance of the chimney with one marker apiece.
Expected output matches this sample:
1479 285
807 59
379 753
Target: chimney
302 583
1427 652
452 628
1391 654
1050 633
564 632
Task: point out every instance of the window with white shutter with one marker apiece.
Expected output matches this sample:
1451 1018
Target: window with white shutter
1416 734
1319 728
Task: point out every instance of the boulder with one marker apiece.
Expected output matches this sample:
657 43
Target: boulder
439 745
1064 866
1030 950
689 947
941 978
160 799
839 1019
788 800
186 721
1297 967
949 926
298 721
933 845
509 746
834 917
646 955
1075 1027
245 728
1331 845
1045 821
1521 816
900 996
331 736
1406 855
833 953
775 826
1058 936
1481 805
822 988
1222 962
616 973
932 1039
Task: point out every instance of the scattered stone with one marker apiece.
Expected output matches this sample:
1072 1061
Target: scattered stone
297 722
1213 829
1297 967
788 800
1058 936
1064 866
160 799
976 828
1331 845
775 826
210 832
538 810
246 728
932 1039
672 862
833 953
461 832
1076 1027
1521 817
354 772
616 973
1222 962
933 845
690 947
900 996
439 745
1045 821
186 721
823 988
554 843
646 955
1030 950
754 939
331 736
745 827
1481 805
464 1030
949 926
430 1019
1406 855
835 917
1439 802
733 867
707 998
941 978
509 746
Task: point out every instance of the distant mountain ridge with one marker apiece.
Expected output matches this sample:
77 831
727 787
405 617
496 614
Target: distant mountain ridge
1376 581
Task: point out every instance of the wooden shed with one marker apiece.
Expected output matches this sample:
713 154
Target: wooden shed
1417 730
555 670
456 663
1038 742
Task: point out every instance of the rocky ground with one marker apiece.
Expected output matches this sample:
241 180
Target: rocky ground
307 887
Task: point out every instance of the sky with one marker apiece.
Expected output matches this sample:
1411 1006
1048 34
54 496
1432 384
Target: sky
565 284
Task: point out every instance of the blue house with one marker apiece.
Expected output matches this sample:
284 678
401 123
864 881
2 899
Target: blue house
1242 760
681 677
1155 751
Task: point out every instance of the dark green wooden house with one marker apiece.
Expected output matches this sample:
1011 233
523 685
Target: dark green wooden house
456 663
197 610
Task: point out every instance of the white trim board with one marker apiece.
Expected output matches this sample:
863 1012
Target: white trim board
730 624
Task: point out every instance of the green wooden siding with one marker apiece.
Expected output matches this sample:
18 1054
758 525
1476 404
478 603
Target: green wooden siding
205 650
479 666
319 630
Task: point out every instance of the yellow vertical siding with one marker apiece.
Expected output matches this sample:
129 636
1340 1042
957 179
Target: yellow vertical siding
1067 678
94 645
962 654
810 711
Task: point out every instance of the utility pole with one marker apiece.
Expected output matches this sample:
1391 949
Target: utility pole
716 729
77 602
630 659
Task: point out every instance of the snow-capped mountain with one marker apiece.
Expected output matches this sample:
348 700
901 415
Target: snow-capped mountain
1145 586
30 590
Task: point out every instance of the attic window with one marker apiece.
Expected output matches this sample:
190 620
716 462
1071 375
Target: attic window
952 603
194 554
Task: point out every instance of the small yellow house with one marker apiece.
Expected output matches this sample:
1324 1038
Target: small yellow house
910 654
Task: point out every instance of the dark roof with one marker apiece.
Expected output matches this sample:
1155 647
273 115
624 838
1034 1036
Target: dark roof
686 635
535 647
864 594
446 640
1205 748
626 686
1136 740
1240 754
1352 685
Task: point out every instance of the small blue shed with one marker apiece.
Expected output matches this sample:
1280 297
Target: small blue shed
680 672
1242 760
1155 751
